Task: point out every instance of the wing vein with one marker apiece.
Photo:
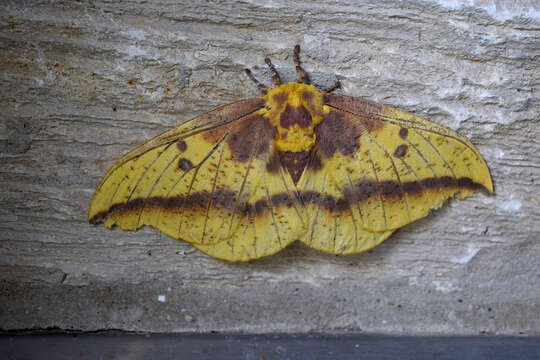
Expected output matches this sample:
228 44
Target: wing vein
244 180
200 162
317 213
271 208
183 199
149 194
212 194
140 211
410 125
281 173
379 188
438 153
357 205
405 197
140 177
163 139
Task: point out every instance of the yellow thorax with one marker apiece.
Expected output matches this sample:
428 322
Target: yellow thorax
294 109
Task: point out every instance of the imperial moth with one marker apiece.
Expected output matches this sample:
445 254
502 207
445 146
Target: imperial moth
243 181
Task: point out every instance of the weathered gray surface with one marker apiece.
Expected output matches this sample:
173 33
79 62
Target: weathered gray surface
82 82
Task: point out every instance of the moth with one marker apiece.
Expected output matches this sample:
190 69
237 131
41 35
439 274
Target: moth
243 181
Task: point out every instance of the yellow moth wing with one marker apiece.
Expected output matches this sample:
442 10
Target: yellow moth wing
391 167
205 182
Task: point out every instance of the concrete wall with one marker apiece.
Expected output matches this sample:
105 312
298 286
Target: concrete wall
82 82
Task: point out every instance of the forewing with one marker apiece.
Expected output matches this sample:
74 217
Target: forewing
384 168
205 182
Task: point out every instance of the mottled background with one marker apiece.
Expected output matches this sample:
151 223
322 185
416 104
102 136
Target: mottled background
82 82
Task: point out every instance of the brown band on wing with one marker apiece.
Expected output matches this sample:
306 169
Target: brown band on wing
225 198
221 198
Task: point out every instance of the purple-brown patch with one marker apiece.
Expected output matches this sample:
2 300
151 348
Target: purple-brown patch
274 163
315 163
341 132
280 98
295 163
309 99
249 136
292 115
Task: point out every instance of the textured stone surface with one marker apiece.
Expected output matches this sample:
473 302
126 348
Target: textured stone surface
83 82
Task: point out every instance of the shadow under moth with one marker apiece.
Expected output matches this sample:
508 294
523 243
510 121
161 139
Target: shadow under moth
243 181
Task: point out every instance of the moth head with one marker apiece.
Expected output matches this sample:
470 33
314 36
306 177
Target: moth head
294 109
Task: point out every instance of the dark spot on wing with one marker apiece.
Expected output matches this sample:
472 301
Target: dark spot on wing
295 115
403 132
400 151
181 145
185 164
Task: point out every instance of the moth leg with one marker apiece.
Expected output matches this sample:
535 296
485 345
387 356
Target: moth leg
301 72
336 86
261 87
275 75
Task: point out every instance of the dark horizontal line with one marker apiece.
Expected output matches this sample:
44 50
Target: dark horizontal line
226 199
108 344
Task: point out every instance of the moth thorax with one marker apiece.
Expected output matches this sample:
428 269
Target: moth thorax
294 110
